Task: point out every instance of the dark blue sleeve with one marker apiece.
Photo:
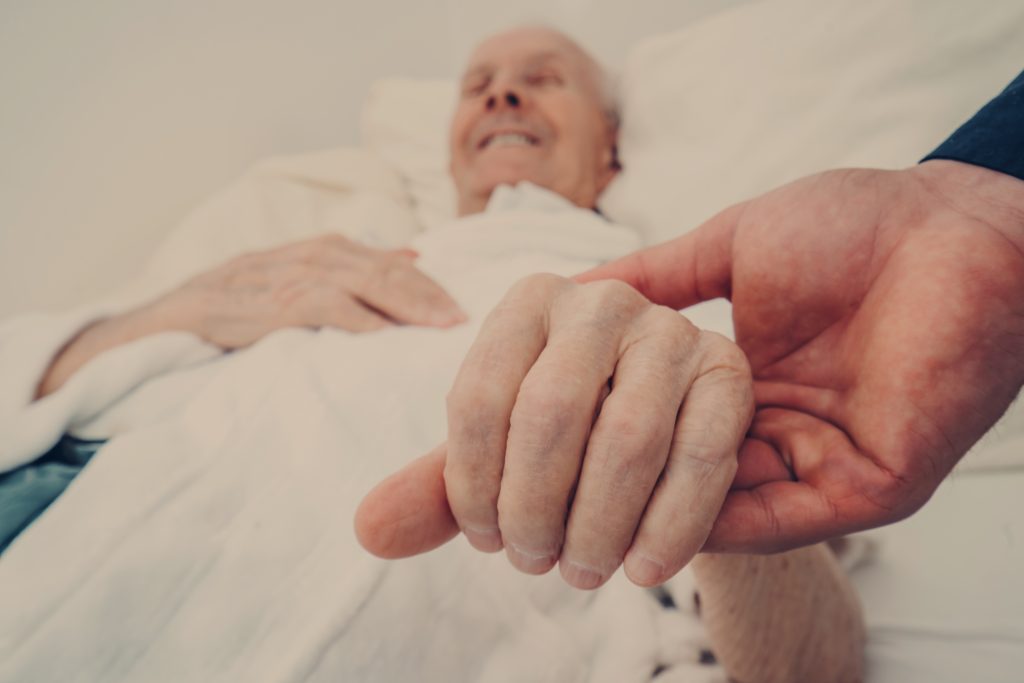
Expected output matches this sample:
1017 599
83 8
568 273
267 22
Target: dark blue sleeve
994 137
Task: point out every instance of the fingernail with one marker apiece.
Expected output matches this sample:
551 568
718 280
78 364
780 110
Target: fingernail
581 576
644 570
486 539
529 561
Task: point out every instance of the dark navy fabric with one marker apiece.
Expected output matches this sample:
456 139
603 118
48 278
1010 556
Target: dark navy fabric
27 491
994 137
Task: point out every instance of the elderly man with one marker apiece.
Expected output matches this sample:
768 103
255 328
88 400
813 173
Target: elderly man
533 107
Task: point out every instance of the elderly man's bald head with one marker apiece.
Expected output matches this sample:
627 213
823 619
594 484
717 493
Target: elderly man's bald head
533 106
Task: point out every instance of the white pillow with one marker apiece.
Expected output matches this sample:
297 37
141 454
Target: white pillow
748 99
405 121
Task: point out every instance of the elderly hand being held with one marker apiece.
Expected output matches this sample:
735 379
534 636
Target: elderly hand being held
586 427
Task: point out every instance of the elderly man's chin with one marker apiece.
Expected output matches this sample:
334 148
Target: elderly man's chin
490 177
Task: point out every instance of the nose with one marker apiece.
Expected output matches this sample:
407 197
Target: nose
509 99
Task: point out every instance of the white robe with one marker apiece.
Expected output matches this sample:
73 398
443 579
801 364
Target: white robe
214 542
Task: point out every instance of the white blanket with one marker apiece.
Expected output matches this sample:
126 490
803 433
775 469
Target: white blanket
344 191
217 544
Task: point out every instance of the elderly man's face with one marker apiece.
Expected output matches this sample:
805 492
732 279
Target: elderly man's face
530 108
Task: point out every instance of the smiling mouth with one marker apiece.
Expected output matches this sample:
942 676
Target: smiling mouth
495 140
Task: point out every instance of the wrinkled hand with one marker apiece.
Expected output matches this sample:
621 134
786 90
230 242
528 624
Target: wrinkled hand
882 313
328 281
883 316
585 426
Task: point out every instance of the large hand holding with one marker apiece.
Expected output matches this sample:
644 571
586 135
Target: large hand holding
883 317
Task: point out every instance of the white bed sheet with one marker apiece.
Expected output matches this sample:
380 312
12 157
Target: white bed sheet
944 595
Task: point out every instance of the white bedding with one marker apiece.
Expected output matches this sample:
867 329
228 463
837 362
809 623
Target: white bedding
943 596
216 544
282 582
344 191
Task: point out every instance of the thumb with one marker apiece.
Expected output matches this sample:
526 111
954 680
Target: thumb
689 269
407 513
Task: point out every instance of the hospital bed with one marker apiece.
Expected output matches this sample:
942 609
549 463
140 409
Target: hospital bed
733 102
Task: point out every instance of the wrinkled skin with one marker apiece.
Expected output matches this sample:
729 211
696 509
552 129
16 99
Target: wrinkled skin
882 314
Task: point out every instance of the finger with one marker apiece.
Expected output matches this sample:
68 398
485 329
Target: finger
702 461
384 280
759 463
351 315
481 400
628 446
407 513
837 490
551 420
318 300
406 294
755 521
681 272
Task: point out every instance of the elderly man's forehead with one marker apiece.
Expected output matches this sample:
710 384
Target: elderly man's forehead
528 45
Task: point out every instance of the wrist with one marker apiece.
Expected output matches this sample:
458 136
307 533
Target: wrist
178 310
993 198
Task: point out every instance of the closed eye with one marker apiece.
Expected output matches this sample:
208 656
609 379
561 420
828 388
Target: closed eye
475 87
544 78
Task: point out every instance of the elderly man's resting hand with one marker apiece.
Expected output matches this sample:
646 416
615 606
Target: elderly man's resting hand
328 281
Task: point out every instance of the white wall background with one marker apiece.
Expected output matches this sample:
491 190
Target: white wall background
120 115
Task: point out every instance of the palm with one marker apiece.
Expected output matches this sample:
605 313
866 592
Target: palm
859 313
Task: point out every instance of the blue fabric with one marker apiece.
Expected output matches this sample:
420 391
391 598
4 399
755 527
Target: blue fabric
27 491
994 137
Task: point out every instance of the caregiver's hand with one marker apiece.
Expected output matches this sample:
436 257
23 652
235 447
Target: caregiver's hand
883 316
327 281
585 426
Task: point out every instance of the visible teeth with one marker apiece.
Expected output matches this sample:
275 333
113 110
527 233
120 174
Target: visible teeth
508 139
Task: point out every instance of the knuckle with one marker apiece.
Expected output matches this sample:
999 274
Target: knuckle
545 406
474 403
539 286
672 329
627 451
725 353
470 489
612 295
630 423
466 392
699 451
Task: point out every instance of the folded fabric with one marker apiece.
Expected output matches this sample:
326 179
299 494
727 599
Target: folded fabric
345 191
216 544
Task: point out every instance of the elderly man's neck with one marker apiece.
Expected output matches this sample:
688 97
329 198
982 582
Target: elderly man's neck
470 204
